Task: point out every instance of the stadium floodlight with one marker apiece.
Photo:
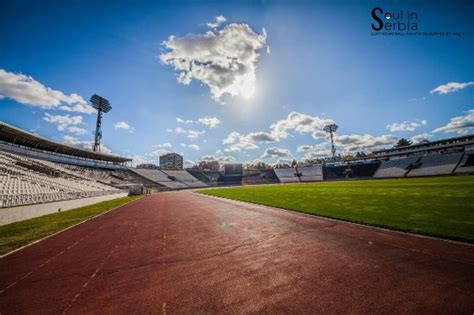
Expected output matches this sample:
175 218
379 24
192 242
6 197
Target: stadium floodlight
103 106
331 129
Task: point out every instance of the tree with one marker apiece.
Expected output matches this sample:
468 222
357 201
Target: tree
402 143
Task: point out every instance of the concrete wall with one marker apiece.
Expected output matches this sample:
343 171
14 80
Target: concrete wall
14 214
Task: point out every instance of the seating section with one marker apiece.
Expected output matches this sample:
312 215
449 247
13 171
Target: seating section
467 164
364 170
335 172
186 178
437 164
287 175
230 180
26 181
311 173
396 167
170 179
270 176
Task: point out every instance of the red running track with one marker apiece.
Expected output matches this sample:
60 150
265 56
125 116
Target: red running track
181 252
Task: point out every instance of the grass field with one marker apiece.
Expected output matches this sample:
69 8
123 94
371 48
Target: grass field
18 234
441 206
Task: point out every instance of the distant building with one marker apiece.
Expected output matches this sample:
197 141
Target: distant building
171 161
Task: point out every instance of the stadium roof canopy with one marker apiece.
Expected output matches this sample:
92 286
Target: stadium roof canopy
17 136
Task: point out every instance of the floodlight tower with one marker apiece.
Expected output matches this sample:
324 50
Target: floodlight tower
331 129
103 106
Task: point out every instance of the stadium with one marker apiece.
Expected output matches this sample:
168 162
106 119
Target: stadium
215 179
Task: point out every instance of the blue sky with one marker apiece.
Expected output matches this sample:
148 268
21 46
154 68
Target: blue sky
307 63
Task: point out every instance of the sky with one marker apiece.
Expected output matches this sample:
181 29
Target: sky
238 81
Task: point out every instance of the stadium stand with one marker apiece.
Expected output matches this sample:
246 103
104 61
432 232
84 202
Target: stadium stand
396 167
287 175
436 164
185 177
269 176
26 181
311 173
230 180
364 170
332 172
160 178
466 166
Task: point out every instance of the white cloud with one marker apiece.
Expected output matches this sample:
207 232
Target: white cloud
218 21
460 124
238 141
86 144
183 121
301 123
157 152
193 134
194 147
188 163
420 137
314 151
354 143
163 145
66 123
224 60
26 90
219 156
211 122
275 152
406 125
451 87
124 126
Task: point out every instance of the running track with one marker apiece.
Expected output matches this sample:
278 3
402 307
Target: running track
180 252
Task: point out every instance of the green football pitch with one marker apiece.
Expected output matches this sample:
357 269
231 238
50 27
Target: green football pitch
438 206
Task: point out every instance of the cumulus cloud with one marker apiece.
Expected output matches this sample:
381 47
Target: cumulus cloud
420 137
451 87
460 124
295 122
314 151
26 90
406 125
163 145
217 21
275 152
354 143
238 141
158 152
183 121
301 123
194 147
224 60
124 126
66 123
193 134
86 144
219 156
211 122
188 163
